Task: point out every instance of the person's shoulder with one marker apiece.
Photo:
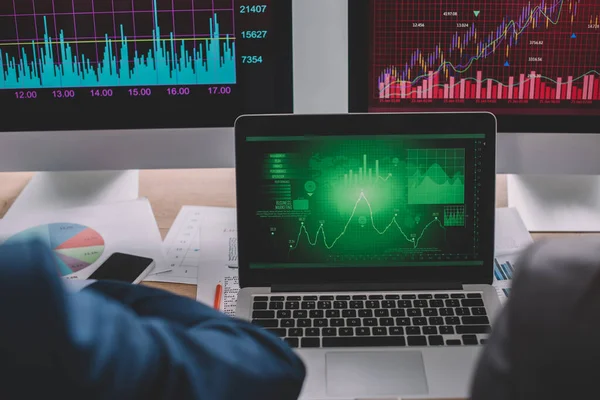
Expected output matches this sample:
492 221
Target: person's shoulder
566 264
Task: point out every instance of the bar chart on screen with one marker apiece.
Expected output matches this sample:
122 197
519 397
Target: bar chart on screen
504 54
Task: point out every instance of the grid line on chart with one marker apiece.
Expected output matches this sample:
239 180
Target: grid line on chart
437 176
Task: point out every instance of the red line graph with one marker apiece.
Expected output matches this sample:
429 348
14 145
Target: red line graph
540 55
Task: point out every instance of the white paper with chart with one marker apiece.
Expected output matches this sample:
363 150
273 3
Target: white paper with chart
201 238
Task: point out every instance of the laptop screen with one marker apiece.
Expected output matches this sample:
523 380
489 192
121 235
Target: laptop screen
360 201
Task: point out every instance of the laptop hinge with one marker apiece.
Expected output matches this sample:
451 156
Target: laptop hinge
365 287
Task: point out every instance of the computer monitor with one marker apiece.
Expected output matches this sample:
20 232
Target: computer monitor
127 84
535 65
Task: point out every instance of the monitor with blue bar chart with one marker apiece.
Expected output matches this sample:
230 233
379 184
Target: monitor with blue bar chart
143 63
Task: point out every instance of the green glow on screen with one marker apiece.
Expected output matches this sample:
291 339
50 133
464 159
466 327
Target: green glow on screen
348 200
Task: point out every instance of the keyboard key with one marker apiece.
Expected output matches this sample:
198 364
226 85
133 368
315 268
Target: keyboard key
457 296
447 312
429 330
349 313
316 314
332 313
399 312
329 331
324 305
404 304
261 298
342 297
408 296
294 298
284 314
435 340
388 304
340 305
313 332
420 303
470 339
436 321
263 314
353 322
370 322
436 303
277 298
310 342
326 298
365 313
462 311
452 303
397 330
472 303
403 321
337 322
452 321
359 297
414 312
292 342
430 312
301 314
320 323
288 323
446 330
417 341
386 321
441 296
382 313
277 331
473 329
372 304
413 330
357 304
392 296
296 331
292 305
266 323
475 321
369 341
478 311
363 331
419 321
309 298
259 305
308 305
346 331
379 331
425 296
473 295
376 297
453 342
304 323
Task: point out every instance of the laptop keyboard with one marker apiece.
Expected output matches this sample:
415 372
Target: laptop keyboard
359 320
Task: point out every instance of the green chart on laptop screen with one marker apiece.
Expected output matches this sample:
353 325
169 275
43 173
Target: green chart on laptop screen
323 201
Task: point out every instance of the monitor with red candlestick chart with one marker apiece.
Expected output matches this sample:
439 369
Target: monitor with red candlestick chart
509 57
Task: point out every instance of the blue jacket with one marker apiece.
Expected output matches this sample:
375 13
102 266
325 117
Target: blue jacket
118 341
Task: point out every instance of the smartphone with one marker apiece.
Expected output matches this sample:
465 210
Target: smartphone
124 267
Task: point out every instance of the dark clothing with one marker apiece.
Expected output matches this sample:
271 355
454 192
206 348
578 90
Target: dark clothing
546 342
118 341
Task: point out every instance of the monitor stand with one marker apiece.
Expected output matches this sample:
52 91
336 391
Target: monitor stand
556 203
50 191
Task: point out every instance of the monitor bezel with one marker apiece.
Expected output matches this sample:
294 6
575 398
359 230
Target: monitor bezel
358 96
358 124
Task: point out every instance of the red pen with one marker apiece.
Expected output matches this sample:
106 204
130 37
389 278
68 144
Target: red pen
218 294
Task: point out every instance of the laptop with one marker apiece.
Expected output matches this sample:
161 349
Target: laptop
366 243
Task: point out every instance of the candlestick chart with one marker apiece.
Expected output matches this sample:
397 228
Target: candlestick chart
513 54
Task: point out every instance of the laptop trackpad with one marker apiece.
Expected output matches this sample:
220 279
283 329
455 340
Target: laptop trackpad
375 373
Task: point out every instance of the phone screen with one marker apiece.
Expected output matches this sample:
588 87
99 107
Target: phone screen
122 267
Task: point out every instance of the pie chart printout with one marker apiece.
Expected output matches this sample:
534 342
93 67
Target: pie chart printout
74 246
